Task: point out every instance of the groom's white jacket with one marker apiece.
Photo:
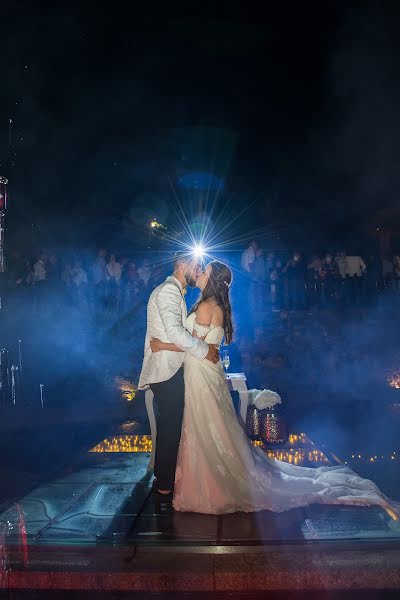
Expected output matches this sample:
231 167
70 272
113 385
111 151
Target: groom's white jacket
166 319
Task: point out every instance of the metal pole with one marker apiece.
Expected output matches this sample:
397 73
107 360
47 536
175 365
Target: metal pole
3 208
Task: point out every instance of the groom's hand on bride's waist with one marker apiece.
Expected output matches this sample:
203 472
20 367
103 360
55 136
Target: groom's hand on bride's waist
212 354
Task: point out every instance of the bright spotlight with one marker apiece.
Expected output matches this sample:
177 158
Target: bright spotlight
199 251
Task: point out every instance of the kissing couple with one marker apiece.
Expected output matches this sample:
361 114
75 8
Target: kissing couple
204 461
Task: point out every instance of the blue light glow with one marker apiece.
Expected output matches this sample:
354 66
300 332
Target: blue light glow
199 251
201 181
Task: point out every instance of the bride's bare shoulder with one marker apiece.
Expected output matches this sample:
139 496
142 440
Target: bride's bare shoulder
204 312
209 312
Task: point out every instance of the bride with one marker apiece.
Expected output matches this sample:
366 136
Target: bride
218 469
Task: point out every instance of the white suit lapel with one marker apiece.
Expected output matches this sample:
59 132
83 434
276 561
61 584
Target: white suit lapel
183 301
184 310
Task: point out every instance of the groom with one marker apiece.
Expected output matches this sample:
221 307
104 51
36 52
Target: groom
163 371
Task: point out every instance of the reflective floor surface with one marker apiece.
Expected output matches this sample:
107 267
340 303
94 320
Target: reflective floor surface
105 498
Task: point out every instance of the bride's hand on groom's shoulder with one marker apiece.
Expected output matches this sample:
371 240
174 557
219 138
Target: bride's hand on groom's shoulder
156 345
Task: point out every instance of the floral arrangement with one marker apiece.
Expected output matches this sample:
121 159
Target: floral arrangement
263 399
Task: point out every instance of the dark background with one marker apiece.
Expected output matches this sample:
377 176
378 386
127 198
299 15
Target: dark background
308 91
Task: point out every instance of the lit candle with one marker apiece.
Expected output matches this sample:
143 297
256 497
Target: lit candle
41 394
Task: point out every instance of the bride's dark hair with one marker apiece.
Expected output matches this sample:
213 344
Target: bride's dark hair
217 287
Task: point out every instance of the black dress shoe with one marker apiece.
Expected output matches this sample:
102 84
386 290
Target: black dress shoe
163 497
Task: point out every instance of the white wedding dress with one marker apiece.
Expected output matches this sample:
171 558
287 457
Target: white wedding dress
219 471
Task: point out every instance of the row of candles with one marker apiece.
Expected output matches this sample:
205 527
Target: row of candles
296 456
142 444
125 443
10 379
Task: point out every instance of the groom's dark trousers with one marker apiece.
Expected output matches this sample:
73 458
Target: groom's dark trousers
169 399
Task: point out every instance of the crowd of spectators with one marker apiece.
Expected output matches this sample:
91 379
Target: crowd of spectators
276 344
101 282
273 282
322 280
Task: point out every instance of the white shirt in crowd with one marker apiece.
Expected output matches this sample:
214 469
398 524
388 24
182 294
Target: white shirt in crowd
39 271
144 274
396 265
355 266
114 270
248 259
78 276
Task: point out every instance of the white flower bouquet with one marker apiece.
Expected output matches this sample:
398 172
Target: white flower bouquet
263 399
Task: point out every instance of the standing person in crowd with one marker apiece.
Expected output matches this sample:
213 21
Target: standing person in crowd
294 273
39 281
341 261
387 271
66 278
373 276
313 280
355 271
396 271
19 270
53 269
269 267
16 268
79 284
145 272
20 275
260 284
99 277
275 278
329 276
249 257
131 286
78 275
114 269
122 284
40 269
53 281
114 272
248 262
270 262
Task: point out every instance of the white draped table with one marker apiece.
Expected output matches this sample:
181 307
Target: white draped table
236 382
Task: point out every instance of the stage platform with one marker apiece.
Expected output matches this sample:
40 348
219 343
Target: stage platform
97 526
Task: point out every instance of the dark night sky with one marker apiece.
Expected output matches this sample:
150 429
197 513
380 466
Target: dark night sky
311 90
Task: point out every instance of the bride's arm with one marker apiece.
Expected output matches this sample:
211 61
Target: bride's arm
204 314
201 327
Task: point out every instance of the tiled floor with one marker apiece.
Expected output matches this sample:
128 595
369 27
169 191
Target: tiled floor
107 498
